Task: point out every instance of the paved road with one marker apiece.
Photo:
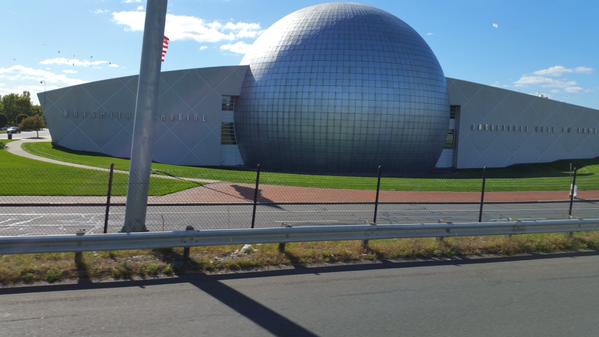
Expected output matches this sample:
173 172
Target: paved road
70 219
28 134
542 297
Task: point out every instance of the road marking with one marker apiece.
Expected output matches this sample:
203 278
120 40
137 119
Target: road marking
304 221
24 221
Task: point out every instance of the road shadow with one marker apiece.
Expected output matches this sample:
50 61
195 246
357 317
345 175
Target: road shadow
268 319
295 261
82 270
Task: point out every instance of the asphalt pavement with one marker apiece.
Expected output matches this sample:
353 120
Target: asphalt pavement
44 133
515 297
90 219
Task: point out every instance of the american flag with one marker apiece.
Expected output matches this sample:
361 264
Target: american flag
164 47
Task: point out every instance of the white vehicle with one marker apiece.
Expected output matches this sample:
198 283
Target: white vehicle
13 129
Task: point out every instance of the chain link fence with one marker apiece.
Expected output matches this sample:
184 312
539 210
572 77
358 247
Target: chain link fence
46 198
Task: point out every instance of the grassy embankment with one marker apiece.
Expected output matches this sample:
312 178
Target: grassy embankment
156 263
22 177
533 177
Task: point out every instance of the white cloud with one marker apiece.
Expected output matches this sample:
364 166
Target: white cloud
191 28
574 89
555 71
18 89
203 47
429 34
100 11
140 8
70 71
132 1
237 47
583 70
22 73
559 71
552 79
495 25
19 78
77 62
557 85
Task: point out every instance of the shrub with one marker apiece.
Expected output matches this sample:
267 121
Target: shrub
33 123
53 275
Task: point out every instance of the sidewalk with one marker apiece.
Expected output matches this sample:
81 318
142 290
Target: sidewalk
16 149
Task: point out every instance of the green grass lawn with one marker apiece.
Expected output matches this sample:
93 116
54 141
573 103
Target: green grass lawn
533 177
21 176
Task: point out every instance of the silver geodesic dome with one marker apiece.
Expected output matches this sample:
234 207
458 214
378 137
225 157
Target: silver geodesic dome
342 88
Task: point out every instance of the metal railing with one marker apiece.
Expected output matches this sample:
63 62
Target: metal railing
191 238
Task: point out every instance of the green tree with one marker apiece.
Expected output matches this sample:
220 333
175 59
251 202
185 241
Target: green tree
36 110
20 118
15 105
3 121
33 123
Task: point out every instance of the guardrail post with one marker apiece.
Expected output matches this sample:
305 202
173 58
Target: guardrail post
256 194
282 245
482 195
186 249
108 195
572 191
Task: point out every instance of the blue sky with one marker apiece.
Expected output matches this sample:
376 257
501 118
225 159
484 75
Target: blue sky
533 46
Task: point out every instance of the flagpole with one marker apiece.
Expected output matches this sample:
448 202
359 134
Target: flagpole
146 107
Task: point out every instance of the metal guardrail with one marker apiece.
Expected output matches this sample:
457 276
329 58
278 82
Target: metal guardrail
151 240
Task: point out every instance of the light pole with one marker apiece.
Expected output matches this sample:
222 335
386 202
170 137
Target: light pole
43 82
145 107
43 106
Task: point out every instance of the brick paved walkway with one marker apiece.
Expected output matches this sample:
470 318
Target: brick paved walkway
239 193
225 192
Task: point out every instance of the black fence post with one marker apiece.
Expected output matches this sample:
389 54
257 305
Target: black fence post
378 190
256 194
482 195
572 191
376 204
108 195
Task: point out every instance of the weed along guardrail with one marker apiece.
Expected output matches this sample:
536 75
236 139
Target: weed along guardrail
191 238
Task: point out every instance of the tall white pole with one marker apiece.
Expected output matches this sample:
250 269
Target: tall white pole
145 108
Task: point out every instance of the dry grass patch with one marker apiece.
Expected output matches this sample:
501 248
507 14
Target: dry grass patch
167 262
